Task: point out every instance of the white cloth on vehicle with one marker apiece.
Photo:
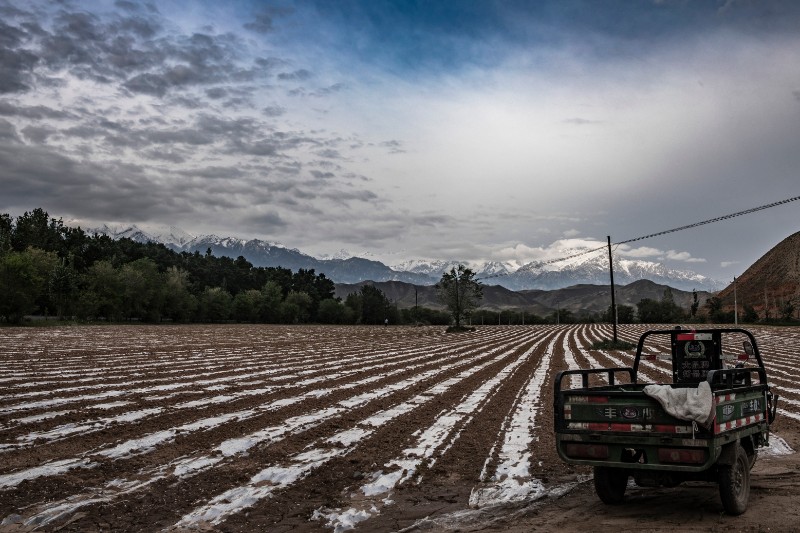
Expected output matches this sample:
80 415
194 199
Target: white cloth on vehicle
686 403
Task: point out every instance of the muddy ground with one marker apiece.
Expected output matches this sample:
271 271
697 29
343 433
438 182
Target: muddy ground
239 359
691 507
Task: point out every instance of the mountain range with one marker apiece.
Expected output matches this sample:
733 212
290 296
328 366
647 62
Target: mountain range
590 268
579 299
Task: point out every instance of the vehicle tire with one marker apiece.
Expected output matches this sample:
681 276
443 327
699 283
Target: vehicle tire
610 484
734 483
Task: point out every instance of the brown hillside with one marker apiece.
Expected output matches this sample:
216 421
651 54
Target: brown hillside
577 298
771 283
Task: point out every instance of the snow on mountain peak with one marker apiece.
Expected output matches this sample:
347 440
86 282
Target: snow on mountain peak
579 268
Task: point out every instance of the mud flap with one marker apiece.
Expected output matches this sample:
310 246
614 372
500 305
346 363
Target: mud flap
728 454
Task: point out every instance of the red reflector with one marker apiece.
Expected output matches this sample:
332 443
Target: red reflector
598 399
685 336
678 455
586 451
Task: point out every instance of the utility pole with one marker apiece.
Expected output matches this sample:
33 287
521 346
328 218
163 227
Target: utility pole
416 304
613 298
735 304
458 308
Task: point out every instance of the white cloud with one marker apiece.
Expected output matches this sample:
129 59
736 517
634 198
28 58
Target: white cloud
639 252
683 256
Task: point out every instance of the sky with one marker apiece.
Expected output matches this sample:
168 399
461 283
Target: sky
458 130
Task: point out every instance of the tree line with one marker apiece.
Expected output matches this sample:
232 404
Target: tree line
50 269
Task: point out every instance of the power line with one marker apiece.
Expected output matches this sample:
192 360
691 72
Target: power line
538 264
717 219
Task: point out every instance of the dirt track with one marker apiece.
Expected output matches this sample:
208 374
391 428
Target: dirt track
692 507
242 428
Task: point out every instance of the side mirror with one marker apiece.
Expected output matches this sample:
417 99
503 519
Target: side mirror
748 348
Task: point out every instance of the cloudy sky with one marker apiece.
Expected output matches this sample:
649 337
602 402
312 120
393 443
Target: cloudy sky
471 130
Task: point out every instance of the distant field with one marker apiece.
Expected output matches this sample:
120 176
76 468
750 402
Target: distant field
310 428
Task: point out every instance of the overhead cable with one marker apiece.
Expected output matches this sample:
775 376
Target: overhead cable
717 219
538 264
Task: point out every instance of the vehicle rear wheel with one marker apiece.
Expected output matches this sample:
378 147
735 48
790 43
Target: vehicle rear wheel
610 484
734 483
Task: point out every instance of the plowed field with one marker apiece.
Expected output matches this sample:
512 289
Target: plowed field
296 428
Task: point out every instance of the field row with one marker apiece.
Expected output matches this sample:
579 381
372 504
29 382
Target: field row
296 428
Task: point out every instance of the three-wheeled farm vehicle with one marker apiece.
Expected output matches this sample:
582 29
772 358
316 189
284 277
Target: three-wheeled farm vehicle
706 424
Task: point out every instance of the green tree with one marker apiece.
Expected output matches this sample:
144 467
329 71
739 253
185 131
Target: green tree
62 287
297 307
271 298
373 304
317 287
787 311
36 229
23 281
460 292
215 304
141 290
714 305
6 232
101 296
649 311
332 311
670 311
178 303
625 314
561 316
247 306
695 305
750 314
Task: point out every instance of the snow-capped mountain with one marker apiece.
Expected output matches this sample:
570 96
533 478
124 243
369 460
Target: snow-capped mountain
590 268
168 235
593 269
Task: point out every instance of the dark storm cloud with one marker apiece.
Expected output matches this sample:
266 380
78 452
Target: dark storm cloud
38 112
37 134
317 93
216 125
272 144
297 75
274 111
395 147
169 155
15 70
216 93
7 131
267 221
214 173
345 197
173 142
322 175
263 21
270 63
120 48
141 26
56 180
10 37
189 102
